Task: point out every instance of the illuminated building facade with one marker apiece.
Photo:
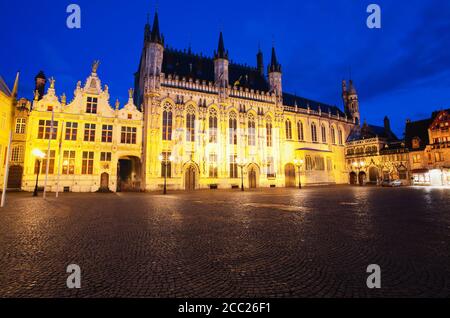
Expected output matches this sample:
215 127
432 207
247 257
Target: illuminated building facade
197 121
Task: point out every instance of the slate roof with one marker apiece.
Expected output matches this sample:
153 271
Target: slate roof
292 100
195 66
4 88
417 129
371 131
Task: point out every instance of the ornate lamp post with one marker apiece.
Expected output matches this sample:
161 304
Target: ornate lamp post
241 164
165 161
299 163
39 156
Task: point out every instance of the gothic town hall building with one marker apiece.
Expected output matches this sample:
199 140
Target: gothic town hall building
201 122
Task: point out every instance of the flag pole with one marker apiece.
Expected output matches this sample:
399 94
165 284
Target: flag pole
48 153
59 160
5 178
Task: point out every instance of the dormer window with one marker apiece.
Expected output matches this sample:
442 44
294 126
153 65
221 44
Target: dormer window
416 143
91 105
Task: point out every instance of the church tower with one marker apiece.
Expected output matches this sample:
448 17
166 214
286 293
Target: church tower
351 103
274 71
260 62
221 64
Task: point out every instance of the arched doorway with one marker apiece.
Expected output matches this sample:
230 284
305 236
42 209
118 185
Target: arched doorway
190 177
353 178
128 174
373 175
15 177
289 175
361 178
104 182
253 173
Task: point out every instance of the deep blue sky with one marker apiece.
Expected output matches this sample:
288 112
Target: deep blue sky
402 70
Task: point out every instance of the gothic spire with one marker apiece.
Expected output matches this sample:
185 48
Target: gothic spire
274 65
221 53
147 30
156 34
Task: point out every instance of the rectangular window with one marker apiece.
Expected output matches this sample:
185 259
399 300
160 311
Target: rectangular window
89 132
105 157
91 105
251 133
213 129
329 164
190 127
71 131
233 167
68 165
20 125
308 163
44 129
87 166
166 164
17 154
107 133
438 156
213 165
128 135
51 166
416 158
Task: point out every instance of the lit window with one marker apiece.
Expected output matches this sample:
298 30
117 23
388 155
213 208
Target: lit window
166 165
269 133
288 130
300 134
251 131
17 154
68 165
213 165
232 123
313 132
87 166
105 157
213 126
50 159
190 126
167 122
233 167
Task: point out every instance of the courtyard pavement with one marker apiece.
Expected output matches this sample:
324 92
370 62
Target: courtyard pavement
314 242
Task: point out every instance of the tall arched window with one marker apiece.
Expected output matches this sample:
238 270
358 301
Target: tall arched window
333 136
313 132
288 130
190 124
251 130
167 122
324 133
213 126
269 132
232 126
341 138
300 134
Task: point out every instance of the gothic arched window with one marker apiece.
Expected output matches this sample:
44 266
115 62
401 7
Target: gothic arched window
313 132
232 126
288 130
269 132
300 134
324 133
251 130
341 138
167 122
333 135
190 125
213 126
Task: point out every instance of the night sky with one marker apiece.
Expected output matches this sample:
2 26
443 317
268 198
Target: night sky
401 70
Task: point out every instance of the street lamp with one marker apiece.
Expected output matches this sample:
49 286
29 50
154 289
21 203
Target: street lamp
39 156
241 163
165 161
299 163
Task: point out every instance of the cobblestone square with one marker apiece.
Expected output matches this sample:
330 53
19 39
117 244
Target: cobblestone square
314 242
